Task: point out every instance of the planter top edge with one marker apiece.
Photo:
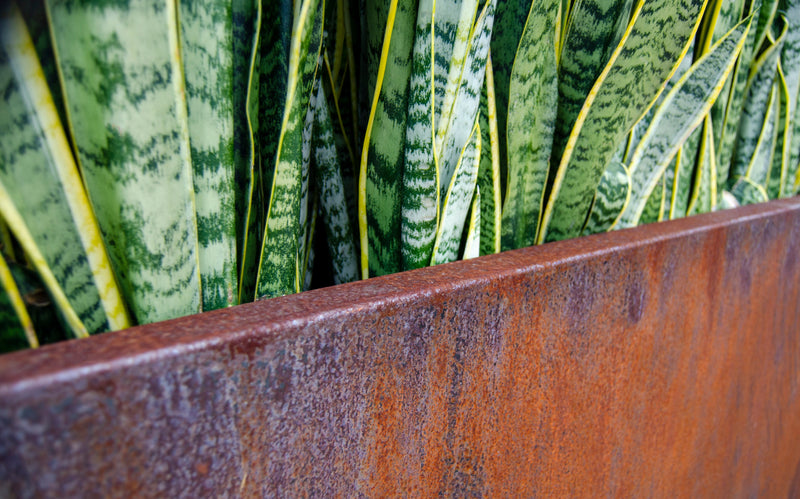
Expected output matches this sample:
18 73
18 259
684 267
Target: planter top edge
72 359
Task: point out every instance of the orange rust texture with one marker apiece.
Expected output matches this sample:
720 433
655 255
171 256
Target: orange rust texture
658 362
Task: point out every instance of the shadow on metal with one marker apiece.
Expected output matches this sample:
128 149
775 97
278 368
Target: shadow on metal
659 361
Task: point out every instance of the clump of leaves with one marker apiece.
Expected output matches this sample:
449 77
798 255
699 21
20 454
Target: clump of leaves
161 158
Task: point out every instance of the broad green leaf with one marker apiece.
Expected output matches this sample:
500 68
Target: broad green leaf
249 201
595 28
748 192
510 20
121 71
455 131
783 138
489 170
610 200
281 266
685 162
533 94
720 17
657 38
207 51
420 192
472 247
758 168
457 201
790 62
759 101
731 112
704 193
15 323
653 208
43 199
35 15
333 204
680 112
380 179
453 43
766 18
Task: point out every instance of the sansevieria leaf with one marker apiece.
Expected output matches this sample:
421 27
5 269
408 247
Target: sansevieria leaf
610 200
281 264
748 192
704 189
207 50
759 100
533 96
593 32
681 111
420 192
651 49
344 259
42 199
457 202
380 179
121 70
489 170
472 244
15 322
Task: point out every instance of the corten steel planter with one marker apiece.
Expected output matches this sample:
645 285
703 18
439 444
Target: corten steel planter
659 361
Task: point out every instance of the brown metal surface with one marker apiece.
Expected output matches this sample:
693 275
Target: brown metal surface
662 361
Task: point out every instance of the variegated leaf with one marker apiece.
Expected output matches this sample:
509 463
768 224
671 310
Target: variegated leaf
380 179
610 200
43 199
122 76
681 111
533 95
653 46
281 266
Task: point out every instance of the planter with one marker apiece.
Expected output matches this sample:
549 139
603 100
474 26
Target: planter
663 360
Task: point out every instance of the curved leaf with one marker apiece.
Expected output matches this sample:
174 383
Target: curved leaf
653 46
121 71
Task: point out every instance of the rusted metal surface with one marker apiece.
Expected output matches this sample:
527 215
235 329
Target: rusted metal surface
663 361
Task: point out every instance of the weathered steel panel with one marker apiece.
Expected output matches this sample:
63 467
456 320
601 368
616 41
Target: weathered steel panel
661 361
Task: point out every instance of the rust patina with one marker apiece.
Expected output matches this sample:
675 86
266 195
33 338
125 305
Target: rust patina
661 361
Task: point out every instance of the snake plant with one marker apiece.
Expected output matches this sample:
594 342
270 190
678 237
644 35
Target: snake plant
165 157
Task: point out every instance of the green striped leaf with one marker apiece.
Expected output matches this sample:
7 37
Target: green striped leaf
43 200
757 105
458 118
654 44
16 327
704 190
281 267
489 170
452 45
207 51
251 216
328 175
380 179
681 111
472 246
457 201
758 168
610 200
510 20
685 162
790 62
783 138
533 90
420 192
595 28
748 192
729 125
124 88
653 208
